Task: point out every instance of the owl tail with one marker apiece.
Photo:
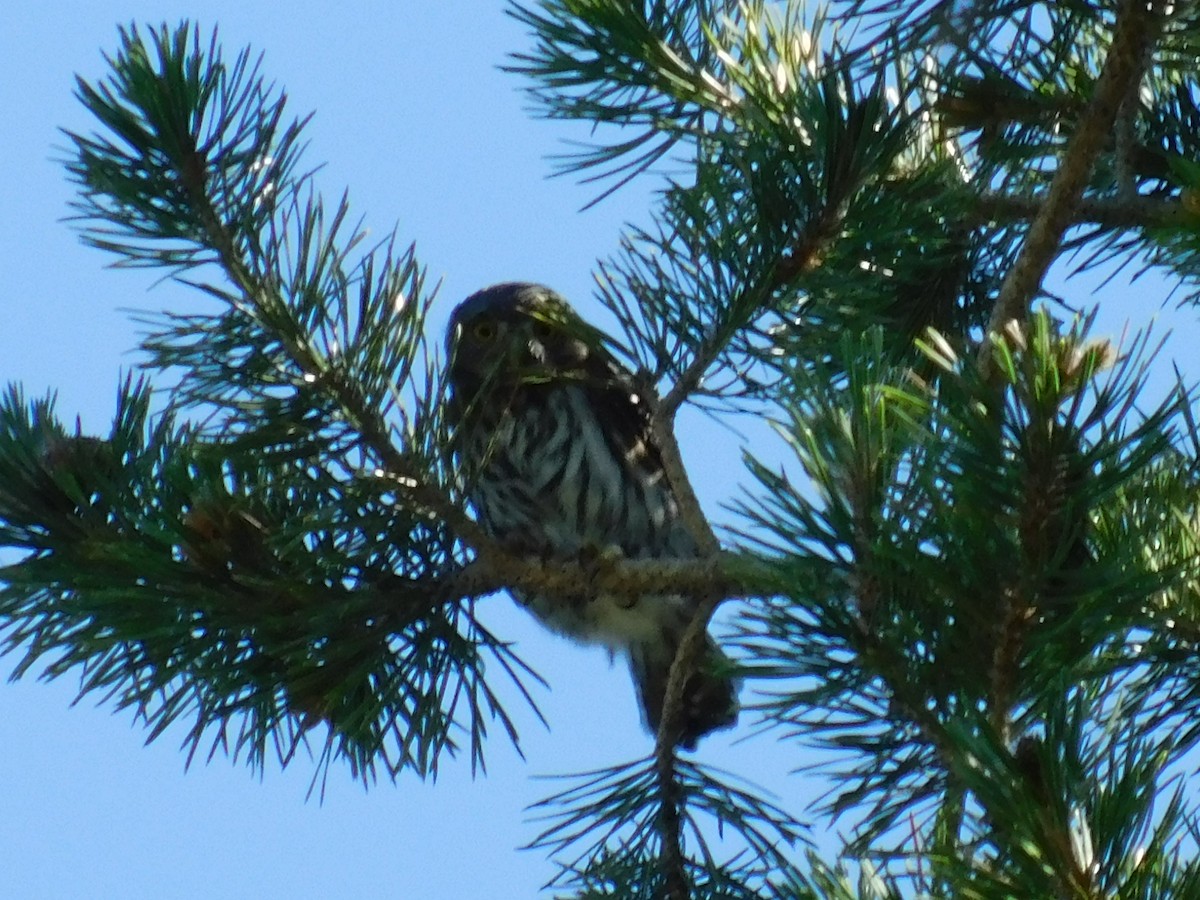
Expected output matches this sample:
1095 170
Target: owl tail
709 695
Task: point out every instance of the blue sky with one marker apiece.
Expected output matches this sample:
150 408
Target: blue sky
414 118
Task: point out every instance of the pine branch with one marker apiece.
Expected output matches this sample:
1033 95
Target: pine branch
264 303
293 374
850 147
652 66
803 256
614 815
1135 31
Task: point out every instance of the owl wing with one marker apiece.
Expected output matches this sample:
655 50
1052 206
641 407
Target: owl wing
625 409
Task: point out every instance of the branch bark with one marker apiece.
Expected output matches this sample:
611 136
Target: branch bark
1127 213
670 825
719 577
1137 24
671 798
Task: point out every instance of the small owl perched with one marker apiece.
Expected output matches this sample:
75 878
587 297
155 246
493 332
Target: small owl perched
558 460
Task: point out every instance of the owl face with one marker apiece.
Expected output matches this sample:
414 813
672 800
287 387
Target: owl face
513 333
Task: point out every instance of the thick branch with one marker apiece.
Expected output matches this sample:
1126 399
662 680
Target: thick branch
720 576
1133 33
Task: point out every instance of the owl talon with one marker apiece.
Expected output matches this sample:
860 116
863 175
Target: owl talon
598 561
598 558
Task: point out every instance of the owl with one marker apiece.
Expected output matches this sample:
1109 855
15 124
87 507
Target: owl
554 444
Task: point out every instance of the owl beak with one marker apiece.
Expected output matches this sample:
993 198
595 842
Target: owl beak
455 358
537 350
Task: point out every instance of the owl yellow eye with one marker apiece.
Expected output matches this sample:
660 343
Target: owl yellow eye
483 331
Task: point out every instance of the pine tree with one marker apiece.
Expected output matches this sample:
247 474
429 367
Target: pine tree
973 582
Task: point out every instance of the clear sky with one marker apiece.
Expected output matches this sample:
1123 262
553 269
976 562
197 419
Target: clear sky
414 118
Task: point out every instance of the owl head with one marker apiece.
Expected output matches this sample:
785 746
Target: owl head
518 334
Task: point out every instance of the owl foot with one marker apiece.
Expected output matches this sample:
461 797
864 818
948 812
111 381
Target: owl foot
597 561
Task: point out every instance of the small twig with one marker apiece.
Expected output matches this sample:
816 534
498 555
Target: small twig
1131 212
690 512
671 798
689 379
670 826
804 255
1133 33
687 659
